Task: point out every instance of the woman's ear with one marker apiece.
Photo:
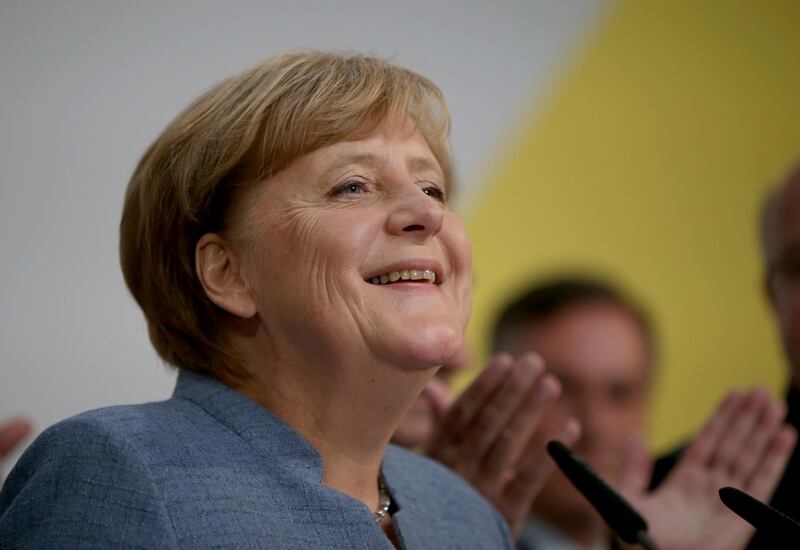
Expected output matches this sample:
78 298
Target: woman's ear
219 270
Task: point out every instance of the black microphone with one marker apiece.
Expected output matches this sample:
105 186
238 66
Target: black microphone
618 514
779 529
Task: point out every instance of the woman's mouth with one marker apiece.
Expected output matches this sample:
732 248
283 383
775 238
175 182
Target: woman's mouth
421 275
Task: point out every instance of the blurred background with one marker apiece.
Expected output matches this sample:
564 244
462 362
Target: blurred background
632 139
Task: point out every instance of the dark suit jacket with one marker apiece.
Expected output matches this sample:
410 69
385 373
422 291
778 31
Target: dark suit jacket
209 468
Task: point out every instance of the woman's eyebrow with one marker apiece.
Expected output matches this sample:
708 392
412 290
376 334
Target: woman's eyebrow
350 160
369 160
424 164
415 164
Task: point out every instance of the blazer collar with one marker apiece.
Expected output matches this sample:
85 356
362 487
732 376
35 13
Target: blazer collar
267 434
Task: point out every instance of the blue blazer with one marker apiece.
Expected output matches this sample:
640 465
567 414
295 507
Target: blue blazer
210 468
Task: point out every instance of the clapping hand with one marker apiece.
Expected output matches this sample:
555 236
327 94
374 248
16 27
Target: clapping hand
744 445
489 435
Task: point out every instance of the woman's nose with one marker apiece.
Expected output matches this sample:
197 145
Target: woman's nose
415 214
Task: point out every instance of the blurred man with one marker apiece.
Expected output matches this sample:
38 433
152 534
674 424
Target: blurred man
780 247
780 240
600 347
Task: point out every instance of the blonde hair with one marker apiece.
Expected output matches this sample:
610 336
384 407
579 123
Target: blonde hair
232 137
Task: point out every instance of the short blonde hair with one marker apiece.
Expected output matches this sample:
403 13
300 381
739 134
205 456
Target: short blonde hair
234 136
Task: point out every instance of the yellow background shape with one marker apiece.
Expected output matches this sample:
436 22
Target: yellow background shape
649 163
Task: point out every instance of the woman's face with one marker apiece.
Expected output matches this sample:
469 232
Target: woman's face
356 254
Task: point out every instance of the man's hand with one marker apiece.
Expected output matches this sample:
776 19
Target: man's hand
744 445
12 432
489 436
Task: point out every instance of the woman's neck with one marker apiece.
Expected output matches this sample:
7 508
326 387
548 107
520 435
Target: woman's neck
347 412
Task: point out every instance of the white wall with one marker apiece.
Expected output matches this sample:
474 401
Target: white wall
86 86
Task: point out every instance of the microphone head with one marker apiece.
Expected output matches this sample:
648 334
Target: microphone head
771 523
618 514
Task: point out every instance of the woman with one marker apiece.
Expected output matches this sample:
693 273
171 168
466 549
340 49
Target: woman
289 242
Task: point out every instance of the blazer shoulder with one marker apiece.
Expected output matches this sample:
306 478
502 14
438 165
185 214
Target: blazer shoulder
86 482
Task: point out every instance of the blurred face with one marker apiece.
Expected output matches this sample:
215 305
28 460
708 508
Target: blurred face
784 254
356 256
598 353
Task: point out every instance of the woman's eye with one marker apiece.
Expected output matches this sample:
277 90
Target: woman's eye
435 192
352 187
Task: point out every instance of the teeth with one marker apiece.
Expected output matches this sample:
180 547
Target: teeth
405 275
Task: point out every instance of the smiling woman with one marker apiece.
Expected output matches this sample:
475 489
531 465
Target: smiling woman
289 241
367 206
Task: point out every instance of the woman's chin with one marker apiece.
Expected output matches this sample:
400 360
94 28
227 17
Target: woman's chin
428 349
